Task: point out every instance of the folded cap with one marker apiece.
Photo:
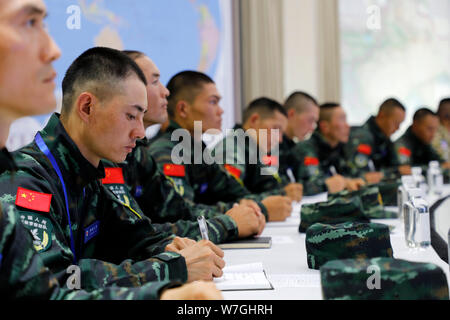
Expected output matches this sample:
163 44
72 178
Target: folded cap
372 202
382 279
388 190
335 210
351 240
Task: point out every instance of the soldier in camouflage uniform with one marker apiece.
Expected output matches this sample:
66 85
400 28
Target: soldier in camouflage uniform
22 271
194 96
56 184
370 149
414 147
303 114
320 162
156 193
245 157
441 142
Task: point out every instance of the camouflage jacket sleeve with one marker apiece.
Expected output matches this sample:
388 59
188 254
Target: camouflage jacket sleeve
308 171
220 229
121 235
23 275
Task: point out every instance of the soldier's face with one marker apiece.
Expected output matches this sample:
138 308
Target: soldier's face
339 128
157 93
306 122
270 131
393 121
206 108
117 123
26 55
426 128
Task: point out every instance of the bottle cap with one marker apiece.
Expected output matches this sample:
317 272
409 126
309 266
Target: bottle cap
407 180
415 192
416 171
434 164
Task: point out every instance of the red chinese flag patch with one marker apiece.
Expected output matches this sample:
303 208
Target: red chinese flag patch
270 161
33 200
365 149
113 176
311 161
174 170
235 172
405 151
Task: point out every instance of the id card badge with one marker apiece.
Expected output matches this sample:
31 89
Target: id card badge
91 231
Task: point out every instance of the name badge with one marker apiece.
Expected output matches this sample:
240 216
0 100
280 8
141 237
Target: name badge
91 231
138 193
203 188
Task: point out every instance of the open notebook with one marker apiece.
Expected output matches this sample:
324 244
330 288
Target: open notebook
243 277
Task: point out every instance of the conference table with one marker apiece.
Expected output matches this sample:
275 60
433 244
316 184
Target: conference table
285 263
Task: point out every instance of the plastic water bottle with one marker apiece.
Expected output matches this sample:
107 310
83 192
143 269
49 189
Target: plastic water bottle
435 178
417 220
419 180
402 193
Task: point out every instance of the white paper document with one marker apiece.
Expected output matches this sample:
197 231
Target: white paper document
243 277
295 280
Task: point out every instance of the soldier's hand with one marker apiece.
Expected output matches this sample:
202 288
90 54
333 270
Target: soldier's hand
198 290
278 207
446 165
335 184
373 177
204 261
405 170
294 191
179 244
247 220
354 184
251 203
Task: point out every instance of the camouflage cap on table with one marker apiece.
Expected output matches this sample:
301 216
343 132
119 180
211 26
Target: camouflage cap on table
372 202
382 279
335 210
351 240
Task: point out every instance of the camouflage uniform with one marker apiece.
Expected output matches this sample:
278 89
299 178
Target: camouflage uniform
370 143
200 183
412 151
441 142
244 163
398 280
314 158
159 200
23 274
103 227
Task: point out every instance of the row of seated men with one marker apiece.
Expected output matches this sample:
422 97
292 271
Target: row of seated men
91 191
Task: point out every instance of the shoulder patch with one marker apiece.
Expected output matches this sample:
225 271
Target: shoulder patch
33 200
40 228
311 161
235 172
113 176
404 152
270 161
365 149
174 170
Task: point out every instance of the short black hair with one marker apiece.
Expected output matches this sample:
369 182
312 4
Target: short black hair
265 107
134 54
299 101
326 110
185 85
444 103
99 70
422 113
390 104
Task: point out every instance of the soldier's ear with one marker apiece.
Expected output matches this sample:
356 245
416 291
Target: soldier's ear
182 109
84 105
